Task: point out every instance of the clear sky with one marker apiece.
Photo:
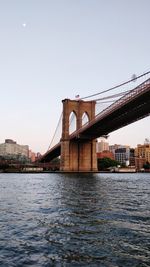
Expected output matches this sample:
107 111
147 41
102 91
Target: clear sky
55 49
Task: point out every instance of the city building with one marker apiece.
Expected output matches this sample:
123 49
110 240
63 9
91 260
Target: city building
132 157
112 148
123 154
32 156
139 163
105 154
11 149
102 145
143 151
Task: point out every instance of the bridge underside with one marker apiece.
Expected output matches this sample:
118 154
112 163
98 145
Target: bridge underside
51 154
126 114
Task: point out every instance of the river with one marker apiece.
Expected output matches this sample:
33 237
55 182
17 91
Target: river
91 220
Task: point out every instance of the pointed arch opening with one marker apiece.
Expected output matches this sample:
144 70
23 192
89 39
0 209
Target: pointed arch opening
85 118
72 122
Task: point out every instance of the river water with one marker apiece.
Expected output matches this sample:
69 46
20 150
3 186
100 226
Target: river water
75 220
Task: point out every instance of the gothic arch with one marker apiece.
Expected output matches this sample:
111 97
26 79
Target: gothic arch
85 118
72 122
77 154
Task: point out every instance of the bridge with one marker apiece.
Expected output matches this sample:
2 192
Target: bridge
78 149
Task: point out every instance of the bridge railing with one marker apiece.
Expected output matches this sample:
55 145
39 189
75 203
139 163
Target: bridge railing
143 87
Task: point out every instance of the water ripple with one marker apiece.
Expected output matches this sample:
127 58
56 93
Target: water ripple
75 220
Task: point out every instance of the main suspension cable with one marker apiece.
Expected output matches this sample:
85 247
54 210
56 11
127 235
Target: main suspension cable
117 86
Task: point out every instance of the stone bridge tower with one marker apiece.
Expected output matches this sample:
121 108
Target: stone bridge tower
77 155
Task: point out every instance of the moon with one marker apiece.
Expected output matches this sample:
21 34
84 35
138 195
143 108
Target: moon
24 25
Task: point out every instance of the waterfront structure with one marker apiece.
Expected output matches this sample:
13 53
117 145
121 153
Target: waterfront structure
105 154
102 145
132 157
122 155
143 151
112 148
139 163
11 149
125 155
32 155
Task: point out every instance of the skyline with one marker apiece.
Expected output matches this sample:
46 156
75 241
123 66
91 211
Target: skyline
55 50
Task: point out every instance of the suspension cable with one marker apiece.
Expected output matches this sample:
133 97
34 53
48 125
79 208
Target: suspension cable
105 102
55 131
113 96
117 86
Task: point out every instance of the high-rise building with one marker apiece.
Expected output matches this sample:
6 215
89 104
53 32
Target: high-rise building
102 145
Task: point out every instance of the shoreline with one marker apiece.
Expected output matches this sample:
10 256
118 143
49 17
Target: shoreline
27 172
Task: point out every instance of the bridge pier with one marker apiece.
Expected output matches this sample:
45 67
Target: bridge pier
77 155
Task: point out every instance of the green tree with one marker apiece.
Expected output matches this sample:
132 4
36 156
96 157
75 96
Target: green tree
105 163
146 165
4 166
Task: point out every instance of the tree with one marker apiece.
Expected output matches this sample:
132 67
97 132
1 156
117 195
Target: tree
4 166
146 165
105 163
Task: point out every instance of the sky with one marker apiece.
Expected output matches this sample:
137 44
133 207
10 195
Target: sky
55 49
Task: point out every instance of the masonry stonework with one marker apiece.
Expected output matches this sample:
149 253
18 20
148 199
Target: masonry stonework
77 155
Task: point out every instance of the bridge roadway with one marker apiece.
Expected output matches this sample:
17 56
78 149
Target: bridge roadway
132 107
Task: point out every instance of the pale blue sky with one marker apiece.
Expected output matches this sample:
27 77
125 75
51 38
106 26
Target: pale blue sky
68 47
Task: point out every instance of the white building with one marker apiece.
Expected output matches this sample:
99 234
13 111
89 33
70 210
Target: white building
102 145
122 155
10 147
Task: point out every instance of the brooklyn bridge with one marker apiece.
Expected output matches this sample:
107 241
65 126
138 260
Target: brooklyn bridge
77 149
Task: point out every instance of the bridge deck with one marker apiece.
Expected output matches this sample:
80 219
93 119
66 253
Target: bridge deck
134 106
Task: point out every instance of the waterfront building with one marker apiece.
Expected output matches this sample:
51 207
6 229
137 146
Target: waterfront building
139 163
102 145
105 154
123 154
132 157
11 149
32 156
143 151
112 148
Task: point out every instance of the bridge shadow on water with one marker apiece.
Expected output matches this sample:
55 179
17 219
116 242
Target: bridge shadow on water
77 233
